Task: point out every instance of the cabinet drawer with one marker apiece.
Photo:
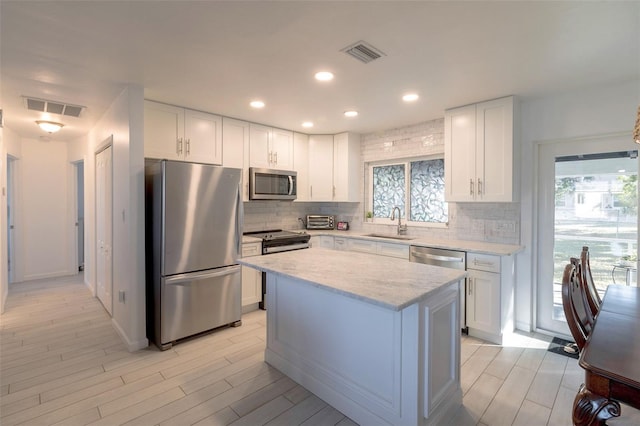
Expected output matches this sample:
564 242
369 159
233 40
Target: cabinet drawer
251 249
483 262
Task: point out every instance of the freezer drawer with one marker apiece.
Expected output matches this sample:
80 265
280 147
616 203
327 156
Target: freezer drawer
196 302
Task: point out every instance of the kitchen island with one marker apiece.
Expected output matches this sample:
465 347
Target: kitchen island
377 338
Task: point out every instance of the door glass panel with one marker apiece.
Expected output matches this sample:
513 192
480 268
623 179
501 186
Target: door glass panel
596 205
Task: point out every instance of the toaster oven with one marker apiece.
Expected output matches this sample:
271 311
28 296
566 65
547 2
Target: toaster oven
316 221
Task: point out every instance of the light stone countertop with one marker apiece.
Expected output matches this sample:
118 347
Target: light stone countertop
385 281
463 245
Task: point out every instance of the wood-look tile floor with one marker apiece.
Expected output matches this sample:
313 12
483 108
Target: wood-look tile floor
62 363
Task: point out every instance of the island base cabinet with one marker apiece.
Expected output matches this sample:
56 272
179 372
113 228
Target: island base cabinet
376 365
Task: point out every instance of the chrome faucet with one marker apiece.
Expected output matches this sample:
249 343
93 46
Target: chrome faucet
402 229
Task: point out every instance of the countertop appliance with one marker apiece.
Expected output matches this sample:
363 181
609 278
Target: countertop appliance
446 258
317 221
270 184
276 241
193 240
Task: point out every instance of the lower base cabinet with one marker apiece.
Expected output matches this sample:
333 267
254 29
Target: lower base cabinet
489 297
251 279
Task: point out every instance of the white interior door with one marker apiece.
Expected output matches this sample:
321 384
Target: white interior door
587 196
104 209
11 219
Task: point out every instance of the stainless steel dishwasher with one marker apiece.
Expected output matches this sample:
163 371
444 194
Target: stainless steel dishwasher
449 259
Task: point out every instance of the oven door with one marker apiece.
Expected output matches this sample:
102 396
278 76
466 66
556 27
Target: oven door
269 184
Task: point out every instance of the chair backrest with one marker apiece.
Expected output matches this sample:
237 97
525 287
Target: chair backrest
576 309
593 298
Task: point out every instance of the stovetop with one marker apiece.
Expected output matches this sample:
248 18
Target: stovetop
276 234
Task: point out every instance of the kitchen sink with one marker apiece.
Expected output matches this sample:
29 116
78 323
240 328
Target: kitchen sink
392 237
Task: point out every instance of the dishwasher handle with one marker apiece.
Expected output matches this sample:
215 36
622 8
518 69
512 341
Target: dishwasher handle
427 256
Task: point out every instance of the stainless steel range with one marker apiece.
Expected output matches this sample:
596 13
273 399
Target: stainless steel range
276 241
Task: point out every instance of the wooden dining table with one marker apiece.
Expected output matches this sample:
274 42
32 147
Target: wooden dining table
611 359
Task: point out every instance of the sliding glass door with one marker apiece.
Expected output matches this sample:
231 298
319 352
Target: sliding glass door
587 196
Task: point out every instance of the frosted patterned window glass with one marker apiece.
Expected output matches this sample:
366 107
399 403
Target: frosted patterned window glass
388 189
427 192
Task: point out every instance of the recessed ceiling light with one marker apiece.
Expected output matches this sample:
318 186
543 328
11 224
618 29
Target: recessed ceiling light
324 76
410 97
351 113
257 104
307 124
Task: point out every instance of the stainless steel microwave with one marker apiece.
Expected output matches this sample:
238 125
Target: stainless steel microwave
271 184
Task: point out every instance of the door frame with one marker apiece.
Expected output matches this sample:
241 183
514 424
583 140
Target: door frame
13 219
73 216
619 141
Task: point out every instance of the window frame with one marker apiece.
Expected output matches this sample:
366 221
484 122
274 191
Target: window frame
407 183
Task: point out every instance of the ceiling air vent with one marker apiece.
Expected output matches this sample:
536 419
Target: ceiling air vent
363 51
53 107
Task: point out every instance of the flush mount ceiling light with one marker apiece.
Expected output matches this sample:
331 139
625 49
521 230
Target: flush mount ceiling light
307 124
410 97
324 76
49 126
257 104
351 113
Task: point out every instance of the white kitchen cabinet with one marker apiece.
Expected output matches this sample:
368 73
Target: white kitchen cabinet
379 248
321 168
340 243
334 167
251 278
489 297
322 241
301 165
480 149
346 167
235 147
177 133
270 148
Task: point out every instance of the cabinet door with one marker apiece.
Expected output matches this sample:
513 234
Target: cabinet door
282 149
251 278
483 301
259 151
202 137
460 153
326 241
362 246
321 168
494 153
163 131
301 164
235 137
346 166
400 251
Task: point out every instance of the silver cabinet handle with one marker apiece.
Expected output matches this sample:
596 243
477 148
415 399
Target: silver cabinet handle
470 286
179 146
276 157
479 186
470 186
188 146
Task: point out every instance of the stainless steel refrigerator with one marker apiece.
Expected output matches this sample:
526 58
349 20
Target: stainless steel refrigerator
193 239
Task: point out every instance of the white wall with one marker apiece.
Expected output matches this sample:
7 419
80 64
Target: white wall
46 229
124 122
595 111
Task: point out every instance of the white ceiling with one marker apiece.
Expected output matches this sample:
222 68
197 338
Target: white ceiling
217 56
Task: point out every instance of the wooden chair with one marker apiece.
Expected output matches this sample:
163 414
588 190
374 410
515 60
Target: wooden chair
593 298
576 309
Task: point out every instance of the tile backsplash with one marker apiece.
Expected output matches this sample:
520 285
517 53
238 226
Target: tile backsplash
491 222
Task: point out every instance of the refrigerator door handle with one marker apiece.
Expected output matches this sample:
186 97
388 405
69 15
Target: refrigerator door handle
239 221
193 276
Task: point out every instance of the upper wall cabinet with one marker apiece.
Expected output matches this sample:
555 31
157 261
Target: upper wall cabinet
270 148
301 164
334 167
177 133
235 149
480 152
